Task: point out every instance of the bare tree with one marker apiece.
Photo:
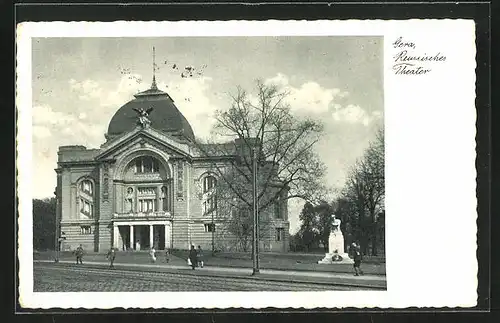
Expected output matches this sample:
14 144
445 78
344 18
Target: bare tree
261 126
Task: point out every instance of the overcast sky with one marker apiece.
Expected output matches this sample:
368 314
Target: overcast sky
79 83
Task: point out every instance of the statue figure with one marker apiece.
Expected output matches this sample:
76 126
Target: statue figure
129 200
335 224
336 250
144 116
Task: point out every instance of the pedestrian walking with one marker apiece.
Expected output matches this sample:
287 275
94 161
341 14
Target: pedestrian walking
167 255
111 255
152 255
357 259
79 255
193 257
199 255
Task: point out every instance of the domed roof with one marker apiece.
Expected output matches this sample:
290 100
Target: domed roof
164 117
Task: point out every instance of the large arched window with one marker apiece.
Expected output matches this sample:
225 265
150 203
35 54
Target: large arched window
146 164
86 199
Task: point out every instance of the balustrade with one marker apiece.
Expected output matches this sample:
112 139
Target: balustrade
139 215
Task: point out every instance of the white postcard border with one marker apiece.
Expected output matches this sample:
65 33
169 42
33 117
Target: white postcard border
430 168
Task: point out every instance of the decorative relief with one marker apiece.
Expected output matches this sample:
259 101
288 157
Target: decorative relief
105 182
147 191
180 179
105 187
199 188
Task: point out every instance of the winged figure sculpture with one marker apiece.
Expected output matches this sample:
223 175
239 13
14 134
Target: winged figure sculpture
143 116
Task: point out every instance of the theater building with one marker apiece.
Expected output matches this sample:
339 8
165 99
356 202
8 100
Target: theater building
147 185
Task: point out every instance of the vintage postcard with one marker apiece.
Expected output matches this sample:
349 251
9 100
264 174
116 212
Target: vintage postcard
245 164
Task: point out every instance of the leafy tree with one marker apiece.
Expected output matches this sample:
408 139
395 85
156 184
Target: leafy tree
308 232
324 222
296 242
346 212
44 216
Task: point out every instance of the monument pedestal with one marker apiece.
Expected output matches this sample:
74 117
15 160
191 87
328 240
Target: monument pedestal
329 259
336 254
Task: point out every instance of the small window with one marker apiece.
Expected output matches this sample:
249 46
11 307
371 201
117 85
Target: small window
209 183
277 210
243 212
86 207
209 227
280 234
210 205
147 205
86 186
85 229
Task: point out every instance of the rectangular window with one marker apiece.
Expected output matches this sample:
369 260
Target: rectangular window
208 183
280 234
147 165
85 229
210 204
147 205
86 186
277 210
244 212
85 207
209 227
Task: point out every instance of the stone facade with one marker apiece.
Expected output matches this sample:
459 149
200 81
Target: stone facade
143 188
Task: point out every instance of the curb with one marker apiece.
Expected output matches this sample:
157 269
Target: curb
301 270
261 276
270 268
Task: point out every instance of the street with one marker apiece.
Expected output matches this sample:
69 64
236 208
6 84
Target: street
71 278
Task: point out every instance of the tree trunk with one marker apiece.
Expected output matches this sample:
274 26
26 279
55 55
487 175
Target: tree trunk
374 244
374 234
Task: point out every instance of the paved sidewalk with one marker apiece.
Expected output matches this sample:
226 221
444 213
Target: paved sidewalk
367 281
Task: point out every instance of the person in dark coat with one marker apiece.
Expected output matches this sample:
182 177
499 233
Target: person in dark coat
111 257
79 255
193 257
357 259
200 257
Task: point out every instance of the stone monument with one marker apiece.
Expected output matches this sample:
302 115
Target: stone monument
336 252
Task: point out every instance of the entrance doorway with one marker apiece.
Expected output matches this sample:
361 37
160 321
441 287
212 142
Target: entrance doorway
124 232
159 237
143 237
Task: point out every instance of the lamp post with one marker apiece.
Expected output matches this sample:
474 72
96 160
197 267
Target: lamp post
213 225
56 239
255 215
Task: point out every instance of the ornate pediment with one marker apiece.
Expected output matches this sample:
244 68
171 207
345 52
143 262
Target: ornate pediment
144 138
